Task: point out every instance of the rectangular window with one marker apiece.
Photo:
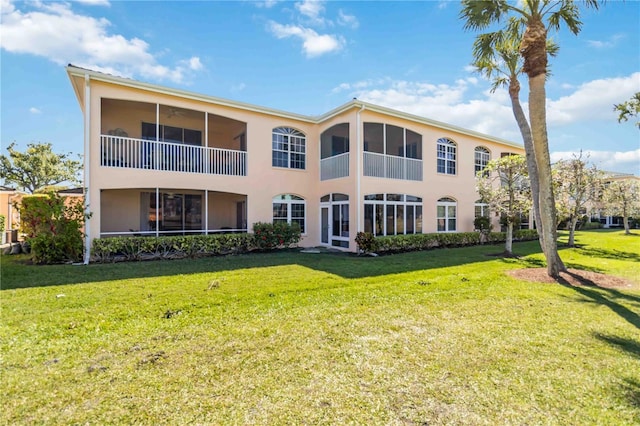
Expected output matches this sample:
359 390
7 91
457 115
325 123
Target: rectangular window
391 220
171 134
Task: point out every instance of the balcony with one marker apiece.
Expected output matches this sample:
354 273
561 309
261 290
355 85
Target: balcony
334 167
391 167
131 153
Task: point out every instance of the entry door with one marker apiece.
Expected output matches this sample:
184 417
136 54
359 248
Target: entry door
324 225
340 221
334 219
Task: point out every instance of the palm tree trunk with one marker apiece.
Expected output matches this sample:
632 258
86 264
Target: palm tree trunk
533 49
537 114
525 131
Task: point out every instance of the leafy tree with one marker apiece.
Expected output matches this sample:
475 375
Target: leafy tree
630 108
38 167
622 198
496 57
538 16
577 185
53 225
504 185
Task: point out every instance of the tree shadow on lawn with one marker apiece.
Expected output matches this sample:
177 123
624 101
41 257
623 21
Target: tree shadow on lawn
19 274
628 345
606 297
631 386
607 254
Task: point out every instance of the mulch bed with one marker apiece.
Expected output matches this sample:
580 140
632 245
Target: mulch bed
574 277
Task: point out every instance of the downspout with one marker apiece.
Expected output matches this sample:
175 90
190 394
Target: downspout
359 144
87 167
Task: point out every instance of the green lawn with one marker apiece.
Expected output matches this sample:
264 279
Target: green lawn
434 337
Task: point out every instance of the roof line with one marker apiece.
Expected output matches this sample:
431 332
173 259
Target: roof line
74 70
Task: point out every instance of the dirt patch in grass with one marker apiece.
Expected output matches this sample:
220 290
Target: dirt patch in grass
573 277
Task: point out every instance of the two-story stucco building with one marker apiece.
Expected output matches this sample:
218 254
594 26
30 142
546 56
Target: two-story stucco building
162 161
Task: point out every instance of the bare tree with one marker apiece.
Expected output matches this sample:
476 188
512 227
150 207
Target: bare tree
577 185
504 186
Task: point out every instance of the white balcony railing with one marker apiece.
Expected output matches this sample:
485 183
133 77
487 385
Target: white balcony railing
334 167
133 153
391 167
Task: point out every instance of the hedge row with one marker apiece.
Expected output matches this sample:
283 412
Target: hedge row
415 242
269 237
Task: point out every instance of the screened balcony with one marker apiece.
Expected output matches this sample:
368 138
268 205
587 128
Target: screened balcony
334 152
392 152
139 135
156 212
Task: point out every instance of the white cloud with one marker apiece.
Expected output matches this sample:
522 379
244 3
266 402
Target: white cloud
313 44
267 3
606 44
311 9
193 63
593 100
491 115
34 110
95 2
613 161
90 44
347 20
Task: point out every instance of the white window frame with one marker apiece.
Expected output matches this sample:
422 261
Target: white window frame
292 143
484 209
290 200
395 204
447 202
447 151
482 156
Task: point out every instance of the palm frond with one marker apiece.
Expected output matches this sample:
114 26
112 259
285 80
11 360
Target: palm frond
479 14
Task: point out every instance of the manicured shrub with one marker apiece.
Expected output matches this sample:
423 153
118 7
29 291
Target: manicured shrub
2 223
414 242
266 236
269 236
366 242
175 247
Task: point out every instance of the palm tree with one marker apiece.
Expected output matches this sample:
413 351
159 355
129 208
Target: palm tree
496 57
537 16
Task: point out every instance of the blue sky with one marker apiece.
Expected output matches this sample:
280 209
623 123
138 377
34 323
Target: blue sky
309 57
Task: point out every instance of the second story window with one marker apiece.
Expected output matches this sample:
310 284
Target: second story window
481 158
447 156
288 148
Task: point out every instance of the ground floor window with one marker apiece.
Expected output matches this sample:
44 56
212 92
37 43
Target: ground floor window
392 214
289 208
446 214
481 209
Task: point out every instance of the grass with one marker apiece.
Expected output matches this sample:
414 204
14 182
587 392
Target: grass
436 337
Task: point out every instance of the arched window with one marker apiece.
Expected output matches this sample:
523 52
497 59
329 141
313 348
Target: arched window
289 208
447 214
289 148
482 157
447 156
